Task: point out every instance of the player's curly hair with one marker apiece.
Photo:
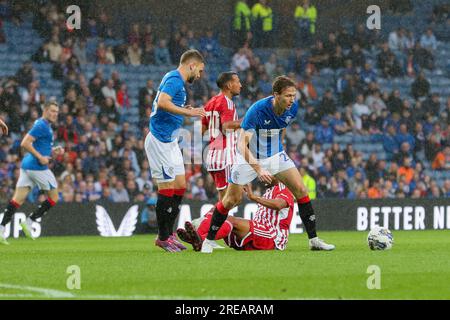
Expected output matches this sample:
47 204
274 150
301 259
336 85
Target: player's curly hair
281 83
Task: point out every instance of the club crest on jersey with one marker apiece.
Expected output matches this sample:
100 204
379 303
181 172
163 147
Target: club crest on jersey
288 119
235 176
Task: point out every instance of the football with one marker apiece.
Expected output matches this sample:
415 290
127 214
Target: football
380 239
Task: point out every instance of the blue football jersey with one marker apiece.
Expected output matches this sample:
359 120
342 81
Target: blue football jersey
267 127
43 134
162 123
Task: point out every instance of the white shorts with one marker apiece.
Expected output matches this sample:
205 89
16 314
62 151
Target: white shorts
44 180
242 173
165 159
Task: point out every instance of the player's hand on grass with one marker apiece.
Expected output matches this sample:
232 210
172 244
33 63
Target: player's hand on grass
44 160
4 127
264 176
195 112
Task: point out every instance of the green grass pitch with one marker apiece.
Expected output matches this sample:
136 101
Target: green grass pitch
418 267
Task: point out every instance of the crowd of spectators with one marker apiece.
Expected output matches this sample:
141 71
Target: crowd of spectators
105 159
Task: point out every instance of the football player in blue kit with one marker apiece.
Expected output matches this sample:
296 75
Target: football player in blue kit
34 171
161 144
261 155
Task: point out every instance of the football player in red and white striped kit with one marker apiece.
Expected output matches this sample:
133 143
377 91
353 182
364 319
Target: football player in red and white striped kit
221 123
268 230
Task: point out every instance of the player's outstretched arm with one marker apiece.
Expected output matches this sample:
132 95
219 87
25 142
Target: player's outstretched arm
3 127
274 204
27 144
165 103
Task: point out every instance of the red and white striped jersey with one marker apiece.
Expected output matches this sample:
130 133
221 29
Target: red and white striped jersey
222 149
278 222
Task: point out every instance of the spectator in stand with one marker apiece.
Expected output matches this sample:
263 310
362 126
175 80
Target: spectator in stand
319 56
251 89
162 55
397 43
79 50
240 61
123 99
442 160
135 54
367 74
339 126
312 116
361 37
403 136
432 105
271 65
328 105
262 24
394 103
428 41
406 171
148 54
298 61
360 110
241 23
375 191
390 143
305 15
295 135
108 91
26 74
388 63
307 88
423 57
209 45
55 49
324 132
375 103
149 89
357 57
405 152
420 87
119 193
134 36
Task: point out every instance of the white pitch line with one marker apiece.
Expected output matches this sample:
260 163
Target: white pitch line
57 294
26 295
50 293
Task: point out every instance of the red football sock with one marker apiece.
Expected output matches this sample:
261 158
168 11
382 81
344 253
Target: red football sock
222 233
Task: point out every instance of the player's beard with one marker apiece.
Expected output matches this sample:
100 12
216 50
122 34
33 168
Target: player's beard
191 79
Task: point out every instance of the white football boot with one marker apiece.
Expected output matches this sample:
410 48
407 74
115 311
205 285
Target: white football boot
208 246
317 244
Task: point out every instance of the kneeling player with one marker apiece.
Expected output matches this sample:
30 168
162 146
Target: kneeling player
268 230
